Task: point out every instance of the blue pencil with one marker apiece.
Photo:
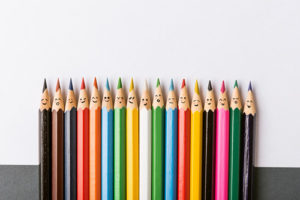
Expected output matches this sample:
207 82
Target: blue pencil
107 148
171 146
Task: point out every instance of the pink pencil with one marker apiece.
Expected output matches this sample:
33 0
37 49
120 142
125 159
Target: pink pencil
222 147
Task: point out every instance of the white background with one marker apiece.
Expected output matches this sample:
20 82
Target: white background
256 40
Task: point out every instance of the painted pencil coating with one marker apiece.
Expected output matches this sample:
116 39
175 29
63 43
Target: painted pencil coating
107 145
132 146
120 144
184 131
171 146
158 120
70 146
145 120
208 153
95 145
222 147
196 146
248 147
83 145
45 146
234 146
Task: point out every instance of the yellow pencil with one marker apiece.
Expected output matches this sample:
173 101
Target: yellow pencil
196 145
132 146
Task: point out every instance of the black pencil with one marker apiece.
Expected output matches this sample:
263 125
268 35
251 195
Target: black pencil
45 145
248 147
70 146
208 157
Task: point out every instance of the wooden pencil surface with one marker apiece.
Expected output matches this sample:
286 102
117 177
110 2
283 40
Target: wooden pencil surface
248 147
145 123
107 142
158 120
70 146
95 145
57 145
83 144
45 147
196 145
234 149
132 146
170 170
120 144
208 153
184 136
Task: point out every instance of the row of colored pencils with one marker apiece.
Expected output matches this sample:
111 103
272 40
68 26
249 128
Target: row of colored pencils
173 150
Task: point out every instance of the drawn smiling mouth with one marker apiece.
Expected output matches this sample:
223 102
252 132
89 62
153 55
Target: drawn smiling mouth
94 101
82 101
182 101
196 104
222 104
57 103
145 104
106 100
249 106
158 100
209 104
120 102
235 102
44 104
130 102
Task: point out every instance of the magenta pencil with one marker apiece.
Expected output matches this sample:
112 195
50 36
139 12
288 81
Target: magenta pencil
222 147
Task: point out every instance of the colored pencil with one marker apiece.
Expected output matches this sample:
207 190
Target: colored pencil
248 147
83 144
234 146
171 145
120 144
196 145
158 120
145 116
208 153
58 145
70 146
45 146
132 145
222 146
95 144
107 145
184 131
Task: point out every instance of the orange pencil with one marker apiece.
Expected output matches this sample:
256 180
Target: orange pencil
95 137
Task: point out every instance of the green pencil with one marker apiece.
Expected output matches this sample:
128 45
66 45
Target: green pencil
120 144
234 152
158 121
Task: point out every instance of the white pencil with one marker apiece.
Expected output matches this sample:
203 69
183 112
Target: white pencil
145 145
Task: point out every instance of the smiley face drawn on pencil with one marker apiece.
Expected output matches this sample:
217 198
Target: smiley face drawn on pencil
209 101
95 99
171 100
82 100
131 99
223 101
144 101
58 101
120 99
182 99
196 102
44 101
106 99
158 98
249 103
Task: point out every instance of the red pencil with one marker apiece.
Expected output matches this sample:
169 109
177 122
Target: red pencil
83 145
184 131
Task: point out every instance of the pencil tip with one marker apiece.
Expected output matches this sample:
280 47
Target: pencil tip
45 85
209 86
223 87
107 84
145 85
131 85
157 82
183 83
119 83
171 85
57 85
236 84
82 84
196 87
70 84
95 83
250 86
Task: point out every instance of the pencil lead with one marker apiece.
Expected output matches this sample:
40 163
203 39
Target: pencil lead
45 85
145 85
209 86
183 83
157 82
196 88
82 84
223 87
95 83
70 84
57 85
107 85
171 85
250 86
119 83
131 85
236 84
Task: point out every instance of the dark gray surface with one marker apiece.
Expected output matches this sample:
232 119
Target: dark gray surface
21 182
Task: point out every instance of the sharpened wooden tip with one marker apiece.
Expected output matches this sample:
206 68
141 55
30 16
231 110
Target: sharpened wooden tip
82 84
95 83
183 83
57 85
223 87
